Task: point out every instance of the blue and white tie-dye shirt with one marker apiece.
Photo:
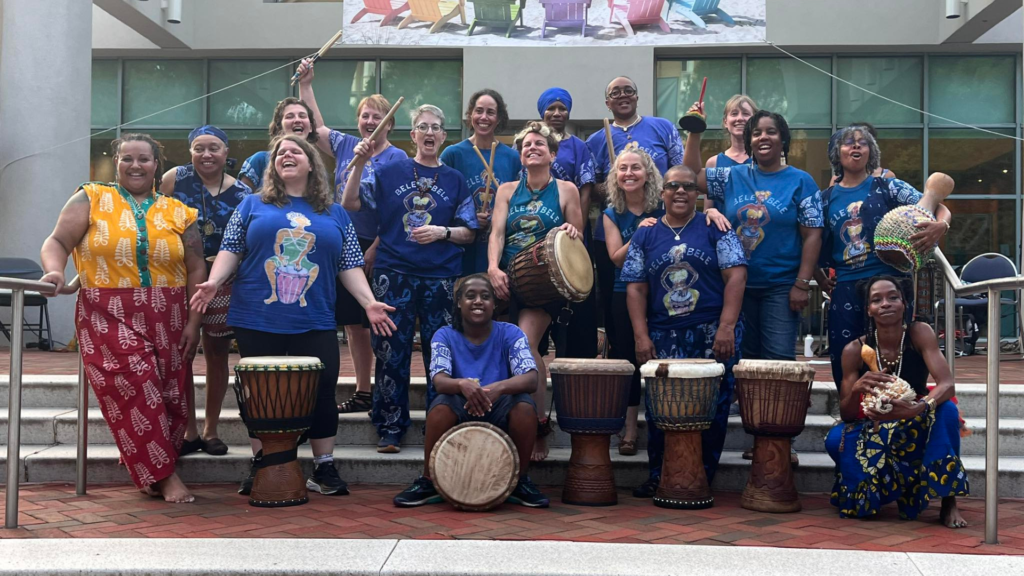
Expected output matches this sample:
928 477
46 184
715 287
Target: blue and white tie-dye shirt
505 353
574 162
343 145
253 169
189 189
766 210
686 287
656 136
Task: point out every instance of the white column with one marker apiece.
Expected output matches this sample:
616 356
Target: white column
45 85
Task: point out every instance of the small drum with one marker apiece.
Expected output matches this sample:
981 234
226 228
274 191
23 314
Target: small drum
551 269
276 396
474 466
683 397
591 398
773 397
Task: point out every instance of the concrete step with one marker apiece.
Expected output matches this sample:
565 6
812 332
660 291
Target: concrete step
361 464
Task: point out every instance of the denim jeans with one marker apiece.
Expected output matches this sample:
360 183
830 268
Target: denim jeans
770 327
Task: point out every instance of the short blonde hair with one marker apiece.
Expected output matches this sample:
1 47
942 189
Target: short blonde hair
534 127
652 182
378 103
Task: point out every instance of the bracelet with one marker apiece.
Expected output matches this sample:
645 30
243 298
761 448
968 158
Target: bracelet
930 402
804 288
806 282
946 223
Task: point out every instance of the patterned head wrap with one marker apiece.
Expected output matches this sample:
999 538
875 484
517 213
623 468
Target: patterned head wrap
207 130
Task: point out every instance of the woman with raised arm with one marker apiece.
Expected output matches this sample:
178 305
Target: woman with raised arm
291 116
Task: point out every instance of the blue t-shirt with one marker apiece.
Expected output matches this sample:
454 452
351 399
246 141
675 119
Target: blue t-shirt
574 162
723 161
507 167
627 223
766 210
530 217
685 275
853 214
365 219
189 189
397 197
305 250
504 354
656 136
253 169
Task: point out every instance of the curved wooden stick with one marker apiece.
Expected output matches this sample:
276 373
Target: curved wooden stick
488 166
610 146
382 126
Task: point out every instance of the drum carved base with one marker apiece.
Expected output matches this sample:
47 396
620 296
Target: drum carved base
770 487
589 480
278 485
684 485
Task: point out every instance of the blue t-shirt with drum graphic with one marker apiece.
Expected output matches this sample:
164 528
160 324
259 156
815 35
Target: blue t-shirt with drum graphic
530 217
686 287
627 223
189 189
766 210
343 145
656 136
505 353
440 198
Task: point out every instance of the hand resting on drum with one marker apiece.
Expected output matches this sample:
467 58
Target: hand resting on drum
570 229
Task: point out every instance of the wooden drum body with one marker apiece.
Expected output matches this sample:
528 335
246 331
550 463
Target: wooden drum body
551 269
773 397
591 398
682 399
474 466
276 397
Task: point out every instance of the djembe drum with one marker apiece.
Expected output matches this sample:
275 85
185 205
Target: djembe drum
474 466
276 396
551 269
892 235
682 398
591 398
773 397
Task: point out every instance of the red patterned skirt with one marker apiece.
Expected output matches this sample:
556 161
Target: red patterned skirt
215 321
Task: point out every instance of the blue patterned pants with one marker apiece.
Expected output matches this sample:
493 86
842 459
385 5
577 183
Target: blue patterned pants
429 300
694 342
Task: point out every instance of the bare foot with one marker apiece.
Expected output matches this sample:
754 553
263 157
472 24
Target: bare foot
149 491
540 449
950 514
173 490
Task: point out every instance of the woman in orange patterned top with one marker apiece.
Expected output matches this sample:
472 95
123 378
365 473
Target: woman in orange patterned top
139 256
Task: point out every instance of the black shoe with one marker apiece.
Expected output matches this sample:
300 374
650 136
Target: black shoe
326 481
246 487
390 444
527 494
190 446
647 489
421 492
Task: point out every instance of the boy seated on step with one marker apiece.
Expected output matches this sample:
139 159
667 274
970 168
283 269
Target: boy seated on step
482 371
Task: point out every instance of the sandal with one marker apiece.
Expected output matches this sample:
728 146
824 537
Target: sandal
215 447
627 447
359 402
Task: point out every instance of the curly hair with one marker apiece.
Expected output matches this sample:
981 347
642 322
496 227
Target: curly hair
863 288
459 289
834 152
652 182
276 128
534 127
319 187
156 146
502 109
780 123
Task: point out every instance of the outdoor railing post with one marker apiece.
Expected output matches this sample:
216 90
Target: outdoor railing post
81 467
950 327
992 422
14 408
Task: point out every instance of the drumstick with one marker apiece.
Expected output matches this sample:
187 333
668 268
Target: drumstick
334 39
488 167
381 126
703 87
611 147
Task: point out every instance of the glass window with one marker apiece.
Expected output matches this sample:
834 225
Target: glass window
679 83
980 226
896 78
437 82
101 163
808 151
800 93
251 103
902 153
104 93
245 143
972 89
339 86
980 163
175 143
154 85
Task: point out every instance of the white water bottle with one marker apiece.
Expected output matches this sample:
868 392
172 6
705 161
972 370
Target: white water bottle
809 346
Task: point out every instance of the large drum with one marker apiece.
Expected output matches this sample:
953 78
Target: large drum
474 466
591 398
682 398
276 396
892 235
551 269
773 397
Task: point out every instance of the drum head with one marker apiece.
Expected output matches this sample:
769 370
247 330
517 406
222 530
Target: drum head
278 362
574 263
682 368
474 466
590 366
774 370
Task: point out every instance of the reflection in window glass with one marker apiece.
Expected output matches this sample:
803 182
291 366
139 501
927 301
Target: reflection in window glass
175 143
679 83
896 78
154 85
980 226
249 104
808 151
437 82
101 162
104 93
339 86
800 93
902 153
980 163
972 89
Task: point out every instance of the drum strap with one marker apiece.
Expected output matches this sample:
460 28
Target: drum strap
277 458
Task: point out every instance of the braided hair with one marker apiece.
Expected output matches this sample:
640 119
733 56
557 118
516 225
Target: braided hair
460 288
905 288
780 123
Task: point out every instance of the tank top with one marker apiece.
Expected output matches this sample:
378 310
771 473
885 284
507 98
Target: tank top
725 162
530 217
914 370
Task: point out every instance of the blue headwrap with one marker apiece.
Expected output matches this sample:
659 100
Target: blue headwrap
552 95
207 131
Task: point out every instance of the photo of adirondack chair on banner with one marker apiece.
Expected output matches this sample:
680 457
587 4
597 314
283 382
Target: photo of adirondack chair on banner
631 13
385 8
501 14
697 11
565 14
437 12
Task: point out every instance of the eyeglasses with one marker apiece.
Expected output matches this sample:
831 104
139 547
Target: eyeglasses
863 143
617 92
673 186
428 128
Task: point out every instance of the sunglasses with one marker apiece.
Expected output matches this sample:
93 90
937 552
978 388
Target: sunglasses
673 186
617 92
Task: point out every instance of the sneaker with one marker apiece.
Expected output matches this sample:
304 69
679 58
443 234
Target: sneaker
527 494
326 481
648 489
421 492
389 445
245 488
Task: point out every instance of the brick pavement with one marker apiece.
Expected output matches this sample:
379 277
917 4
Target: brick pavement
53 511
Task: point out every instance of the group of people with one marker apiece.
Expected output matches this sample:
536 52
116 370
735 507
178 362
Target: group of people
169 260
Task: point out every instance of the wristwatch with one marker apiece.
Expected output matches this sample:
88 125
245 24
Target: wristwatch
447 233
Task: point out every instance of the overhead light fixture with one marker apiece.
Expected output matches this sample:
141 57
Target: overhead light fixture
173 9
953 8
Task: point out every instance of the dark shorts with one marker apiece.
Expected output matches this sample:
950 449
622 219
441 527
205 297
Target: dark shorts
347 310
498 416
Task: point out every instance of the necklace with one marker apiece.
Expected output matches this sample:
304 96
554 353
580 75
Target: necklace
537 192
885 364
422 184
631 124
664 220
137 210
208 226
